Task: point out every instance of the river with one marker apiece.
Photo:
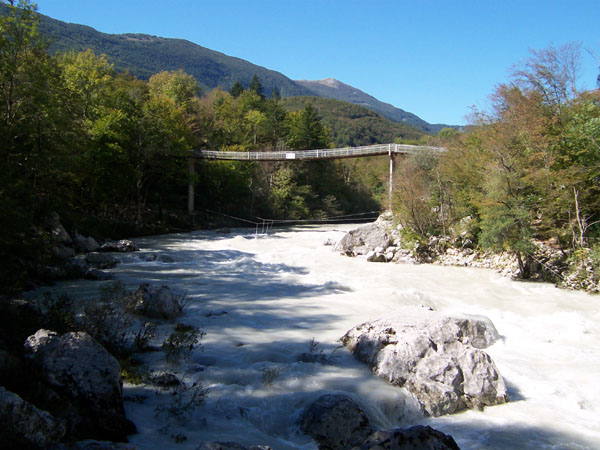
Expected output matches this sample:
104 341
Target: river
261 299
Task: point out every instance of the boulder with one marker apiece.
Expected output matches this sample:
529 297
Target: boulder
101 260
62 252
436 357
89 444
122 246
57 231
229 446
336 422
415 438
87 378
374 256
25 426
363 240
78 265
153 301
85 244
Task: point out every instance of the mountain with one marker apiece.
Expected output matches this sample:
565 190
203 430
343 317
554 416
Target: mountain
144 55
353 125
331 88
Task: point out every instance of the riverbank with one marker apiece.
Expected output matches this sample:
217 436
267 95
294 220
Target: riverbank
385 241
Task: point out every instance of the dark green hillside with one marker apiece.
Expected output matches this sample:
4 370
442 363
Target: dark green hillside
353 125
330 88
144 55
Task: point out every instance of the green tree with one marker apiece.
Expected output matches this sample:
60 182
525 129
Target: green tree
178 86
306 131
37 138
236 90
257 87
87 76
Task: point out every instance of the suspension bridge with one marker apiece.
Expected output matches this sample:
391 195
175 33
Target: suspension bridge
302 155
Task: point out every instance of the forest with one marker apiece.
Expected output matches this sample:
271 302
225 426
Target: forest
526 171
108 153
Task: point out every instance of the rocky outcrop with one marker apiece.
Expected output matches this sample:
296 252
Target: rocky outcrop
547 262
336 422
153 301
86 380
364 240
437 358
25 426
122 246
85 244
414 438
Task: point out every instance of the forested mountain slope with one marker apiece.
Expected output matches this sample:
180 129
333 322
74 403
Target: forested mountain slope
330 88
144 55
353 125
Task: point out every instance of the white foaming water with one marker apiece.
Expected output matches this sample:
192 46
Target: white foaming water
260 301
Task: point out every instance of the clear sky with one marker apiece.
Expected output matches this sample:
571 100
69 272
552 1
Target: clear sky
434 58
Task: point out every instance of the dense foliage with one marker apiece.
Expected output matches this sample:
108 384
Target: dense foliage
529 169
353 125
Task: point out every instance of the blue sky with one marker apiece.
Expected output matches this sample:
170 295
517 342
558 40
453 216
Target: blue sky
435 59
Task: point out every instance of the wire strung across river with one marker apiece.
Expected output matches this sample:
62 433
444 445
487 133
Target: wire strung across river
267 224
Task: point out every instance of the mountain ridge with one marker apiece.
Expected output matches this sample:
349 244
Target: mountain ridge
143 55
332 88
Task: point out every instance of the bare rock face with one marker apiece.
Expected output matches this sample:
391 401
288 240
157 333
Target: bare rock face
414 438
336 422
153 301
88 381
363 240
437 358
25 426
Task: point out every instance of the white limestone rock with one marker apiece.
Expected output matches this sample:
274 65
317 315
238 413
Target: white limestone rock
436 357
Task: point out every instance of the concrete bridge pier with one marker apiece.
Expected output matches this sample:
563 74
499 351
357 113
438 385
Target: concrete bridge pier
392 168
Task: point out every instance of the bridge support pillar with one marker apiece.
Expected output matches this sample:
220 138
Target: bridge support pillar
392 168
192 176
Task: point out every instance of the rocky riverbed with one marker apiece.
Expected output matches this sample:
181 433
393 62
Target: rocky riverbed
251 353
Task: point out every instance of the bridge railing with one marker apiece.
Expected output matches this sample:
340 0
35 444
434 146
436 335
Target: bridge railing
327 153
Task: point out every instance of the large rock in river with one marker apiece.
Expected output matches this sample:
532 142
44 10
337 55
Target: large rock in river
158 302
415 438
364 239
88 381
25 426
436 357
336 422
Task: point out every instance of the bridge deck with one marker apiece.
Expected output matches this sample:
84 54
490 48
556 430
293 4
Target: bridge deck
329 153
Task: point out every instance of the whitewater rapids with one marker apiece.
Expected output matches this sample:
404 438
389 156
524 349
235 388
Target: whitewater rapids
261 299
